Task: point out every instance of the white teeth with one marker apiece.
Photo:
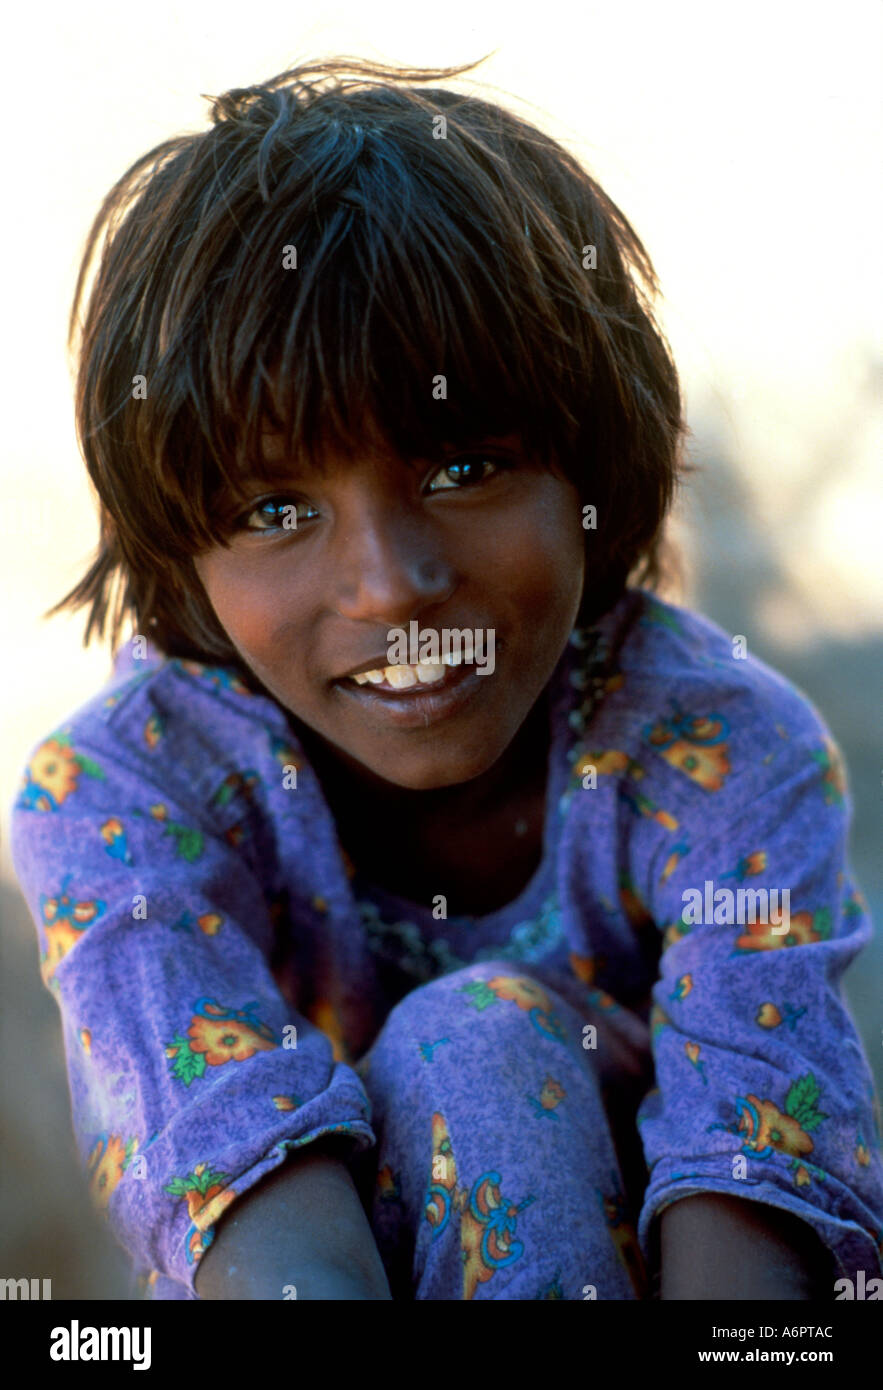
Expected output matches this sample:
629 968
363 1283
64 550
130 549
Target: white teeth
452 658
428 674
401 676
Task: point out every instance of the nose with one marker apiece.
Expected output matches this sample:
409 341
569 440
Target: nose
389 566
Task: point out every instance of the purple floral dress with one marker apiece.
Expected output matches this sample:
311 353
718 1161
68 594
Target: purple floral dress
520 1094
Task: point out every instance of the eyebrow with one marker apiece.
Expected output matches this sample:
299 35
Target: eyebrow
279 470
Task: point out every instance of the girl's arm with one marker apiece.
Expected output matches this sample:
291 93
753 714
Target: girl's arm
764 1095
300 1233
192 1076
719 1247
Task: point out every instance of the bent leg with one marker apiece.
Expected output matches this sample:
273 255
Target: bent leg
495 1173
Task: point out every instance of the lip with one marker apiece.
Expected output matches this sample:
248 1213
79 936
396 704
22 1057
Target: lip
418 705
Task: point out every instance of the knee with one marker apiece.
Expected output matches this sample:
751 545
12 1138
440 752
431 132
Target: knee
479 989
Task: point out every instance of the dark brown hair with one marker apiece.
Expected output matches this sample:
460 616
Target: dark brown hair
421 250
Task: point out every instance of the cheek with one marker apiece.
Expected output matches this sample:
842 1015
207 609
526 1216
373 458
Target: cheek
243 602
540 550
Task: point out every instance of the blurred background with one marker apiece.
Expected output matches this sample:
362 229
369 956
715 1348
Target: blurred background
742 142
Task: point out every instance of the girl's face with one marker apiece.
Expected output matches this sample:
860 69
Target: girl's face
491 542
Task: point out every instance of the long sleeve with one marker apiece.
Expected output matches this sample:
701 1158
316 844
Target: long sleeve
763 1089
190 1074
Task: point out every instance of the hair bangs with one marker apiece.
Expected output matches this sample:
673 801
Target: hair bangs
353 265
407 340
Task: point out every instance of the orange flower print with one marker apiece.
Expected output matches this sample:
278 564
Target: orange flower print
488 1224
606 763
749 864
707 766
205 1211
65 918
753 863
154 730
693 745
55 768
207 1196
583 967
52 774
767 1129
550 1097
776 1130
389 1185
672 862
694 1051
59 940
86 1041
527 994
768 1016
441 1192
217 1035
224 1040
106 1164
487 1220
805 927
286 1102
862 1152
113 834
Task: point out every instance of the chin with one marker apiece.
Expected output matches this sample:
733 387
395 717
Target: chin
434 774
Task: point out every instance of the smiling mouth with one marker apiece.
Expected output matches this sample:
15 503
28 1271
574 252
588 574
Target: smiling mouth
413 678
416 703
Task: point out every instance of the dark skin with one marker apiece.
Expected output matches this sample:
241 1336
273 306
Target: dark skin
453 807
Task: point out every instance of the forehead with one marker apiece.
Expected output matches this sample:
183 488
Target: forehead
275 464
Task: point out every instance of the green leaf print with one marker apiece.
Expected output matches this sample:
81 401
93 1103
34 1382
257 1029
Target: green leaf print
178 1187
822 922
481 994
90 767
801 1102
186 1064
189 842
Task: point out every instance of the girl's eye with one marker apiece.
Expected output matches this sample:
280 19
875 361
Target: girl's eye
468 471
276 514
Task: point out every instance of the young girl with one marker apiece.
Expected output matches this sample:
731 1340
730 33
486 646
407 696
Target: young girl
503 966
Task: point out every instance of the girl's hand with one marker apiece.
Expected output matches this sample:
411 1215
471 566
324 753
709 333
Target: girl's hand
714 1246
300 1233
